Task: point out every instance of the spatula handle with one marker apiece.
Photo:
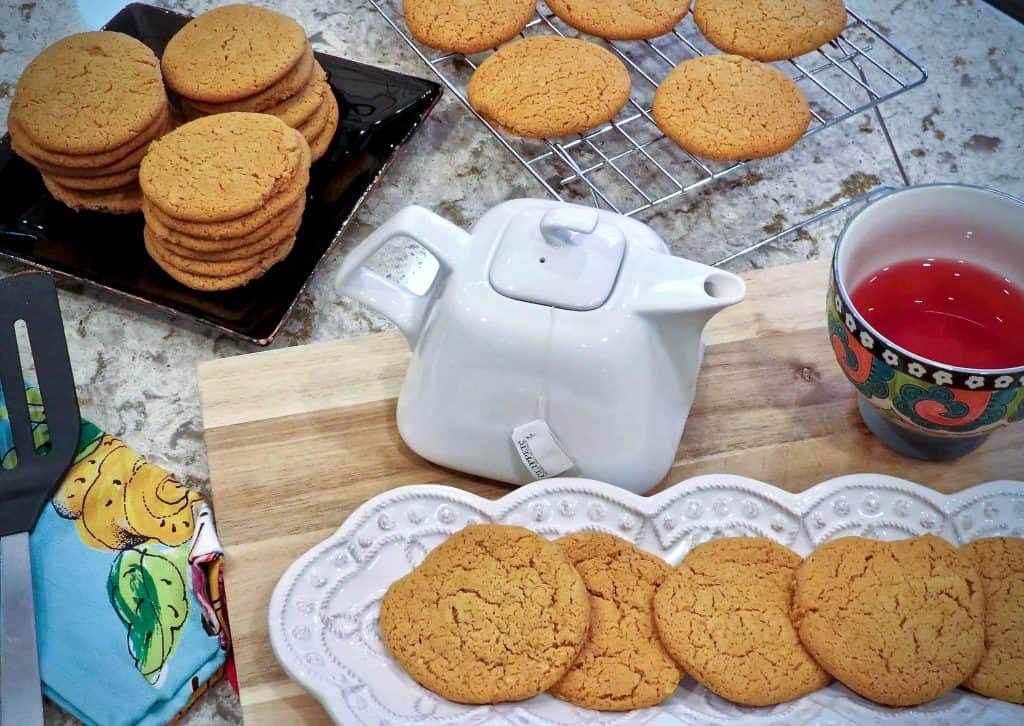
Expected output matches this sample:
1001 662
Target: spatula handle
21 698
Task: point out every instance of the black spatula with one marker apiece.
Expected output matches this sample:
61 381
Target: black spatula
27 487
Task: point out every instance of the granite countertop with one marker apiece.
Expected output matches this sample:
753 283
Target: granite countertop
136 370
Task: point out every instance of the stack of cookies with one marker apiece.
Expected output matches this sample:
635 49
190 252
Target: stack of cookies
498 613
245 58
84 112
223 198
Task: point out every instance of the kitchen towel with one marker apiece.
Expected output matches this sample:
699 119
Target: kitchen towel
128 591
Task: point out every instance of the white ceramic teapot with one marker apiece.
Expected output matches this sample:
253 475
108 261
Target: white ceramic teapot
555 339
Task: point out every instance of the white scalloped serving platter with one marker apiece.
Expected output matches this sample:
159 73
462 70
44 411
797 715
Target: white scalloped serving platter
324 610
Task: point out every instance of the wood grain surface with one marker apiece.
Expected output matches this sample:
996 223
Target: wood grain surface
299 437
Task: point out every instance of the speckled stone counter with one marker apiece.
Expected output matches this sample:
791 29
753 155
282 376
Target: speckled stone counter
136 370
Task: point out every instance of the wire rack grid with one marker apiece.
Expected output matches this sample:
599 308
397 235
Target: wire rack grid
628 165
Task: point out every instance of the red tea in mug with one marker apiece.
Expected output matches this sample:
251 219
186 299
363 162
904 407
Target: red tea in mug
949 311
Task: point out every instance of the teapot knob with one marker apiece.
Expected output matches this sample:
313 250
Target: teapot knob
560 227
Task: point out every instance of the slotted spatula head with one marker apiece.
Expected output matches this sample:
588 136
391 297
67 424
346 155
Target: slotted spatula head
25 489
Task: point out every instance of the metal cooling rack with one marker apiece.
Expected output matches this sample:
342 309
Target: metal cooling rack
628 165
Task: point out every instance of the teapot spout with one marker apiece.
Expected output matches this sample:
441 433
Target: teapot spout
675 286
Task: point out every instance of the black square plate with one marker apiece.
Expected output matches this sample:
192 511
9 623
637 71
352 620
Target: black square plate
380 111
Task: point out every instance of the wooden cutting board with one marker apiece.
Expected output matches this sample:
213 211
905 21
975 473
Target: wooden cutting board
297 438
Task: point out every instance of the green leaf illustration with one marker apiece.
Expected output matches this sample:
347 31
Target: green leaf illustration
149 594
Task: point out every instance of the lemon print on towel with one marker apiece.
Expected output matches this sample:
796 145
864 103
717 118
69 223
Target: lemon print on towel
119 500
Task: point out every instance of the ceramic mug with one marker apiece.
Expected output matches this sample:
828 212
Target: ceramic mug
924 408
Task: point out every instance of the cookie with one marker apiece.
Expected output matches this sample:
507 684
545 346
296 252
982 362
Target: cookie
207 267
1000 563
621 19
900 623
99 182
234 228
297 79
232 248
728 108
548 86
126 200
467 26
89 93
319 145
316 123
769 30
109 162
623 665
231 53
296 110
723 614
205 283
221 167
493 614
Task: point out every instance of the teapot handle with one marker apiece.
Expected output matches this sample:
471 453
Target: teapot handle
402 306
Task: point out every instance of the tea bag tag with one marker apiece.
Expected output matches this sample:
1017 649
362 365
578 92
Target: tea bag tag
539 450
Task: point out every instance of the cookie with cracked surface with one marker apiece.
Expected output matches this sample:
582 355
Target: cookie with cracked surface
206 283
221 167
89 93
769 30
495 613
621 19
293 83
900 622
108 162
723 614
233 52
728 108
466 26
546 86
234 228
123 200
1000 562
623 664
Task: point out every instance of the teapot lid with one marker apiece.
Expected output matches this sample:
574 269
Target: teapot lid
559 255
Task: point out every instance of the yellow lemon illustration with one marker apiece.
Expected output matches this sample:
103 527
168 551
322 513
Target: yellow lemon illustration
103 523
158 507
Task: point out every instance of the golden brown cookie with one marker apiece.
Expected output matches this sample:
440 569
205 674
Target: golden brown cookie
211 267
204 283
723 614
900 623
493 614
769 30
728 108
232 52
622 665
109 162
316 123
297 79
548 86
621 19
1000 562
97 182
235 228
89 93
296 110
221 167
126 200
266 237
190 246
322 141
467 26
